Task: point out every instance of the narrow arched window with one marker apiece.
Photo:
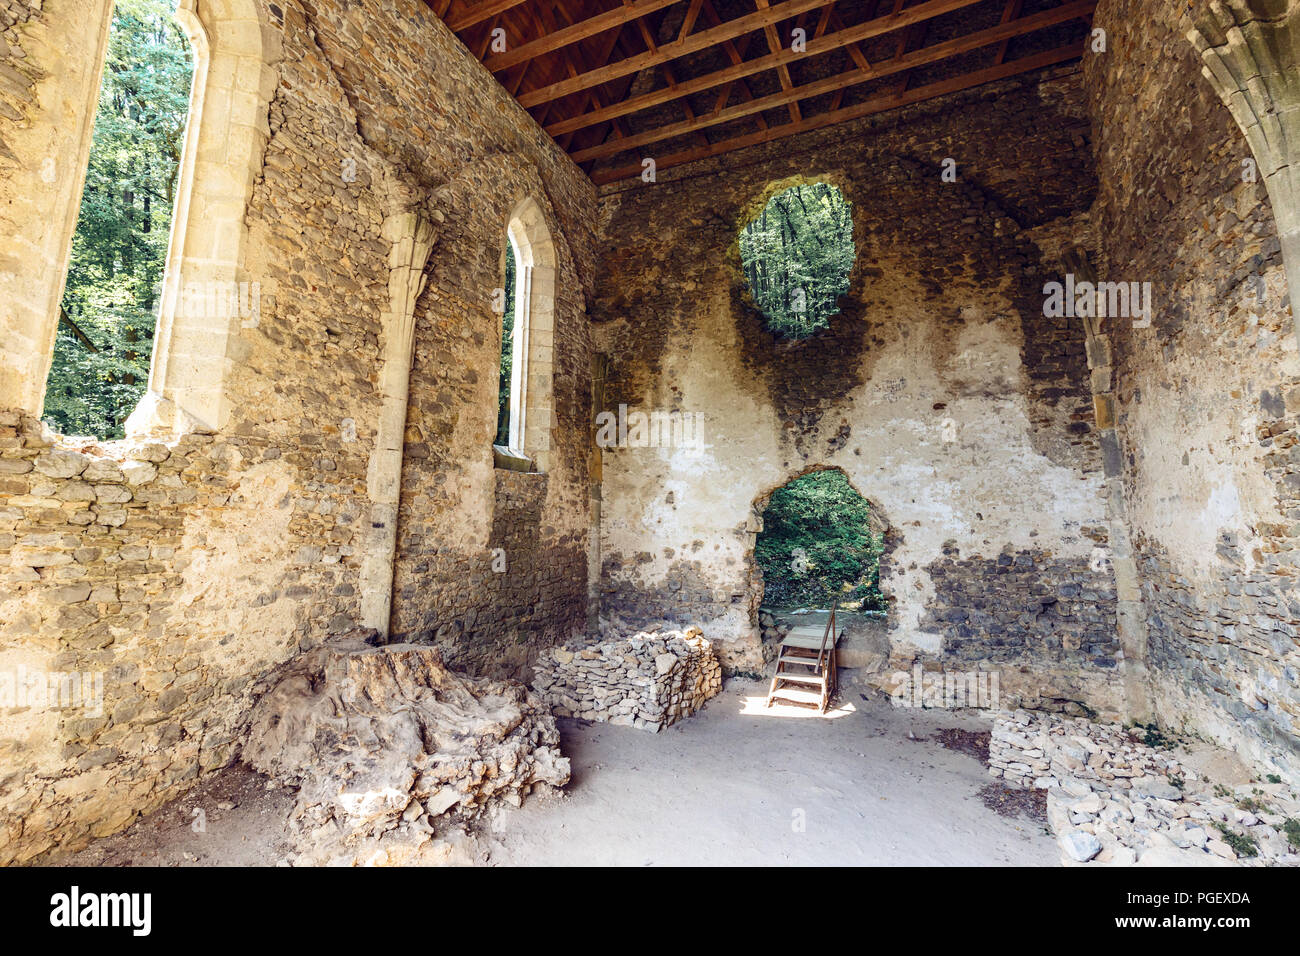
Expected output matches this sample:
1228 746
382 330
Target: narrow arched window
107 317
525 416
506 386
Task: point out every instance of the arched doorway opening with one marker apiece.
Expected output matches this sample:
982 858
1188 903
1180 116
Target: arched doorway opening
820 541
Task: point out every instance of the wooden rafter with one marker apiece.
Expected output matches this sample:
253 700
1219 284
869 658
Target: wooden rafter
774 45
693 43
575 33
876 104
688 21
1010 13
647 37
584 69
735 51
483 10
546 19
818 45
908 61
832 19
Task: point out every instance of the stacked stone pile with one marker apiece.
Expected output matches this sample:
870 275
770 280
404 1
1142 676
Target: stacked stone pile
393 753
1114 800
1036 749
648 680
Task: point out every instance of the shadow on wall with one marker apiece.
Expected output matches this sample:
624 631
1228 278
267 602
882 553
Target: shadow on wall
804 376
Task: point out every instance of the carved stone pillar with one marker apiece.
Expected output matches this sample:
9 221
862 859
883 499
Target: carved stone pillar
412 237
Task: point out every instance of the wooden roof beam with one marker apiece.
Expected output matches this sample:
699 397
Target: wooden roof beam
545 21
647 37
688 22
575 33
735 50
484 10
1010 13
877 104
832 18
774 45
926 55
689 44
818 45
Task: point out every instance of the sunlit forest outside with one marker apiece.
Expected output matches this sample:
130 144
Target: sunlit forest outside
797 255
507 350
817 544
109 308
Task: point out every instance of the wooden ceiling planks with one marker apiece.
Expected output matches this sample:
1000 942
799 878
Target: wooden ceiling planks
616 81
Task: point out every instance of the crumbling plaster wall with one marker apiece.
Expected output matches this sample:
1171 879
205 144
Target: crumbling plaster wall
1207 396
181 571
942 391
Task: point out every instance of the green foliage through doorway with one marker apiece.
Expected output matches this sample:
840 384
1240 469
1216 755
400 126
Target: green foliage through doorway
816 543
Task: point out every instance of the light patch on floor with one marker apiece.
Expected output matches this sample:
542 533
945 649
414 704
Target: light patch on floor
738 784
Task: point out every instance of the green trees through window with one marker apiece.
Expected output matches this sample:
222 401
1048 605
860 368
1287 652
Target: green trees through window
797 255
119 250
817 543
507 350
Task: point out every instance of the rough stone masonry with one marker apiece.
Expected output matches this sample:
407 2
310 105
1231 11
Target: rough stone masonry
186 564
1108 509
649 680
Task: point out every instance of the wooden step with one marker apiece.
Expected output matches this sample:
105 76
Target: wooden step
807 661
798 696
802 678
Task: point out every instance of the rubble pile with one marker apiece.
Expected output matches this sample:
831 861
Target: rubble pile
392 752
1113 799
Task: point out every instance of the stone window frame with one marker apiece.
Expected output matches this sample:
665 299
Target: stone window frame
226 135
45 208
531 408
225 140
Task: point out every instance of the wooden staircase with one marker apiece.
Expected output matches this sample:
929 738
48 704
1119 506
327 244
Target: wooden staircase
806 666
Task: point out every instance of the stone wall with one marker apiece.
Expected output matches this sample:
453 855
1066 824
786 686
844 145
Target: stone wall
182 570
1206 396
648 680
1025 604
527 595
942 391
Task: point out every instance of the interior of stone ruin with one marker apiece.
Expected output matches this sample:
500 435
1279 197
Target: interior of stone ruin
340 589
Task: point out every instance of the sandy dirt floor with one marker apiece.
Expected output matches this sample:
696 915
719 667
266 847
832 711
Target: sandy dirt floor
736 784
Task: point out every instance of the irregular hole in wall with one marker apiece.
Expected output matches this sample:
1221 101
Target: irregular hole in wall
796 255
817 545
803 376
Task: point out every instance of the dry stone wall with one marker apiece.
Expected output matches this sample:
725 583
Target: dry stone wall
1207 395
649 680
942 390
178 573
